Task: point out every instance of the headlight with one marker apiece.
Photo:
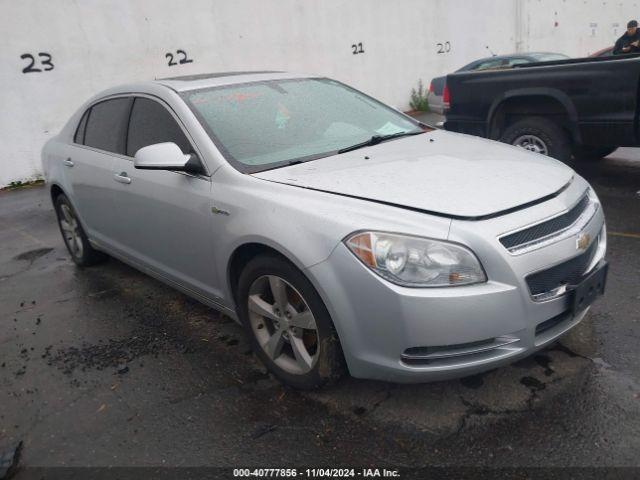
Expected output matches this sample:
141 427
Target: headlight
416 262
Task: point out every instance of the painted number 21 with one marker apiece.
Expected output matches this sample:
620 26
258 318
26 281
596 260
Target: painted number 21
356 49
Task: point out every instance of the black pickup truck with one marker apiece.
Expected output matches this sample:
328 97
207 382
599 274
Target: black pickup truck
580 107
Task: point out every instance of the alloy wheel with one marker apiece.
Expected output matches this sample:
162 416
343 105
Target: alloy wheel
283 324
71 231
532 143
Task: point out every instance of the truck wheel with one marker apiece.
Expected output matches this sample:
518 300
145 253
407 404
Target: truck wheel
288 324
582 152
539 135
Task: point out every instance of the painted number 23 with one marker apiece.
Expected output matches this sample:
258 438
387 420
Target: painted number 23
180 53
45 62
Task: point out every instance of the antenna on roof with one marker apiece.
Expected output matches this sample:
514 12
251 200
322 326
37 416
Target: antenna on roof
491 51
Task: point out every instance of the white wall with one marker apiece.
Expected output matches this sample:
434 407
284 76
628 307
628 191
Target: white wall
575 27
96 44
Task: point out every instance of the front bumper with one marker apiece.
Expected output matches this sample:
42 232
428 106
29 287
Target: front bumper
406 335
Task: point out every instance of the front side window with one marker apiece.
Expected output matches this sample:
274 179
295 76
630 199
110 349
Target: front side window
107 124
264 125
152 123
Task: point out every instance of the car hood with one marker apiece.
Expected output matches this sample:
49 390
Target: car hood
449 174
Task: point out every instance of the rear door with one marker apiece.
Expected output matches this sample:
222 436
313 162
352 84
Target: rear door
99 139
164 217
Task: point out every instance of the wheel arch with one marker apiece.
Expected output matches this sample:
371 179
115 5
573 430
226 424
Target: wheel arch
245 252
55 191
533 102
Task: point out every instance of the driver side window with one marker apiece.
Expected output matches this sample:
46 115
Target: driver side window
151 123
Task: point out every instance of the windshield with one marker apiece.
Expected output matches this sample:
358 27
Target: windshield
264 125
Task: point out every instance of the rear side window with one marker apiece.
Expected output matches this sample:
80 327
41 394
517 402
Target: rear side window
152 123
107 124
79 137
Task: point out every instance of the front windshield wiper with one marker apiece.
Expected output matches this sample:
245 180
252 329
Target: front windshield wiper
376 139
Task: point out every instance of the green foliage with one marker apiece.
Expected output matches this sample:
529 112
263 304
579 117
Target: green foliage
419 98
20 184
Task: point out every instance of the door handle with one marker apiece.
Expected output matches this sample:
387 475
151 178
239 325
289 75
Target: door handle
122 178
68 162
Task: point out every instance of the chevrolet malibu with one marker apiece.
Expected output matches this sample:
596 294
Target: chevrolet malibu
340 233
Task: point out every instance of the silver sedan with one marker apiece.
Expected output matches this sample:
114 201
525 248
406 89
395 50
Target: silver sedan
339 232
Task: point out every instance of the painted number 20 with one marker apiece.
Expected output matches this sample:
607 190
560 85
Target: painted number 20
45 61
444 47
181 61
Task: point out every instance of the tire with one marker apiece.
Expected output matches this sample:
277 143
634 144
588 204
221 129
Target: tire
582 152
74 236
268 325
539 135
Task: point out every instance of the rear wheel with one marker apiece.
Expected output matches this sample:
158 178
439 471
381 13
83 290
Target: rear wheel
288 324
539 135
81 251
582 152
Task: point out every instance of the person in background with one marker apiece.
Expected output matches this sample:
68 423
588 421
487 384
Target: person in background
630 41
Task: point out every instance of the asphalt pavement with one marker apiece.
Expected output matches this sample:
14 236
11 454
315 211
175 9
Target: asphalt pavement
108 367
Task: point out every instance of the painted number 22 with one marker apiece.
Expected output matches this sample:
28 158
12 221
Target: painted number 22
357 48
45 61
181 61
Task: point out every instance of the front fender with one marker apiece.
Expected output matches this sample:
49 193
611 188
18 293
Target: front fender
305 226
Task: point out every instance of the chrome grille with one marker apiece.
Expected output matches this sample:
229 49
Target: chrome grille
545 229
570 272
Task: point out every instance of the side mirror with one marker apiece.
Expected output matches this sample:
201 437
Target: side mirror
166 156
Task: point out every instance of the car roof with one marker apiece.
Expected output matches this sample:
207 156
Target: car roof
530 55
517 55
206 80
194 82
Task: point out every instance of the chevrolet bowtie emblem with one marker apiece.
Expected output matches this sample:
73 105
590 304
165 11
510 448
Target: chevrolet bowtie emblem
583 241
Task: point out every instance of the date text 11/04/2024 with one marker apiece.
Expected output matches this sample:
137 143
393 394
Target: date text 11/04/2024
316 473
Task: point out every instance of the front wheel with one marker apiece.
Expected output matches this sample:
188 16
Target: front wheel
539 135
288 324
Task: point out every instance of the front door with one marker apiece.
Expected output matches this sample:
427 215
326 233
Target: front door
164 217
